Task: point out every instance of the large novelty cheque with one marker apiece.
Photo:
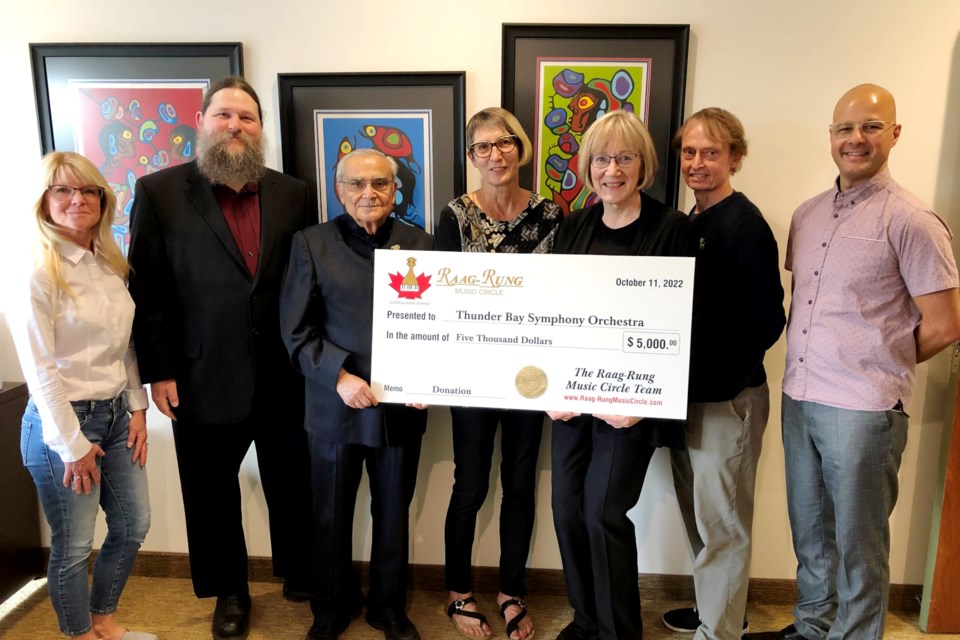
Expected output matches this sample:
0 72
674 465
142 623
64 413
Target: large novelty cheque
592 334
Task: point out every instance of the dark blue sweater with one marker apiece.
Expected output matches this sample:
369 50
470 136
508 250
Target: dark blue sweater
737 299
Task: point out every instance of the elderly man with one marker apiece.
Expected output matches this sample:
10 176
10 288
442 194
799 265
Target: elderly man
210 240
874 293
327 322
737 316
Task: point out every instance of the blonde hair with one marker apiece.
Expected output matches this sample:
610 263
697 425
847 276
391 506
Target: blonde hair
497 117
628 127
52 168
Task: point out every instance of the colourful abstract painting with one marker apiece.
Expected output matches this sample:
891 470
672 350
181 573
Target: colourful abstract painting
403 135
571 95
130 129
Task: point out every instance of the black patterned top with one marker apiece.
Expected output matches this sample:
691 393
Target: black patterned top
464 227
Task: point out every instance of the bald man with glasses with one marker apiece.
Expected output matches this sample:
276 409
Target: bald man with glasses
874 293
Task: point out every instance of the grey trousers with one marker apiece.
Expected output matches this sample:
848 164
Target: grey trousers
715 479
842 485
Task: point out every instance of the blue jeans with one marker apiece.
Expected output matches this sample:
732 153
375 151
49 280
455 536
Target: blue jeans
841 468
122 493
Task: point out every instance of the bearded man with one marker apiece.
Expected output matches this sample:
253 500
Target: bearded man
209 243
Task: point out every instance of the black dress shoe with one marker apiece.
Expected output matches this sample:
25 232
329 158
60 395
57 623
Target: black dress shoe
231 618
394 628
573 631
789 632
327 630
296 592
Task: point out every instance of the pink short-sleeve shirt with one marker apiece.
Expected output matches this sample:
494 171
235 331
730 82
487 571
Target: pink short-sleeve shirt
858 259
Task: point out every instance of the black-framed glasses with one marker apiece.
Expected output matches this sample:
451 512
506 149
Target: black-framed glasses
358 185
623 160
483 148
64 193
869 129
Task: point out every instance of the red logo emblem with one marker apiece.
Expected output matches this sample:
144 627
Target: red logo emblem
410 286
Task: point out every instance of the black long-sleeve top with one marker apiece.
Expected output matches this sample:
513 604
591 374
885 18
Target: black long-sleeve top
737 299
660 231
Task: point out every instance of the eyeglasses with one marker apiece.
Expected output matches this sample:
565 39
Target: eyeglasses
64 193
358 185
483 149
869 128
623 160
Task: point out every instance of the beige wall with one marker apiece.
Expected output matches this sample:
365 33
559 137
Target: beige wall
779 66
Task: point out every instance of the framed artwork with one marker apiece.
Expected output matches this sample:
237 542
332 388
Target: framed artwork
560 78
405 135
129 108
415 118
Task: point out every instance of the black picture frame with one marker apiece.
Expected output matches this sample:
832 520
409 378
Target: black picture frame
54 64
666 45
131 141
443 93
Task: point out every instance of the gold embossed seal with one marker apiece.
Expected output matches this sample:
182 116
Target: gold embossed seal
531 382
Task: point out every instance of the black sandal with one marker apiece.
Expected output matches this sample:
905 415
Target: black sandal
514 623
456 608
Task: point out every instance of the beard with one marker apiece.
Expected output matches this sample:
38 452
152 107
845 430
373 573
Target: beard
220 165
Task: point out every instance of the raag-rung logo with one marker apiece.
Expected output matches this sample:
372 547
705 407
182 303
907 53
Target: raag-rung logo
410 286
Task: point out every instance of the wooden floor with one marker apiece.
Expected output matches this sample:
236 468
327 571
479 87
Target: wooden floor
168 608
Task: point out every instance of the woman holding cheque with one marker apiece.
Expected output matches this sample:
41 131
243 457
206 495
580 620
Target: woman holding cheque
84 433
599 461
500 216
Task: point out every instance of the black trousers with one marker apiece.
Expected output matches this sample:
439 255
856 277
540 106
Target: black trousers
474 431
598 473
336 472
209 458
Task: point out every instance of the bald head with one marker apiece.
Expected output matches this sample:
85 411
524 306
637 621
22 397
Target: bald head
863 133
867 95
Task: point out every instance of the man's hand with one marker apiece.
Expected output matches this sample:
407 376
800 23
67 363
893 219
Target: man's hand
354 391
939 322
164 393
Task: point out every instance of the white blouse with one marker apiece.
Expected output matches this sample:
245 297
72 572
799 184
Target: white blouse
75 349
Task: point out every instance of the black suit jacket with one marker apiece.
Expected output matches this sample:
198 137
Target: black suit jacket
202 319
327 323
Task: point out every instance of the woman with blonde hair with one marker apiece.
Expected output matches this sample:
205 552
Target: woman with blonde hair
500 217
84 435
600 461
